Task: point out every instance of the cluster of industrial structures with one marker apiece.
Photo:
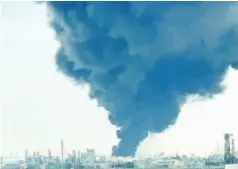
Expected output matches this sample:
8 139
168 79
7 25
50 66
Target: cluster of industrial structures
89 160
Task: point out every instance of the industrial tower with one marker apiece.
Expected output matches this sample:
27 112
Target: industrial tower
62 154
26 155
229 153
49 155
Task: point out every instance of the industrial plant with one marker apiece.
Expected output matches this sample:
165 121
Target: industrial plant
89 160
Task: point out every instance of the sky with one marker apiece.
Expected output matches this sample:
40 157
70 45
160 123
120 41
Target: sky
39 106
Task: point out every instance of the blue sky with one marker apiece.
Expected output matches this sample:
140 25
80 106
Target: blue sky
40 105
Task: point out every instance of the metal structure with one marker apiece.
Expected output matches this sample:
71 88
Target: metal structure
229 153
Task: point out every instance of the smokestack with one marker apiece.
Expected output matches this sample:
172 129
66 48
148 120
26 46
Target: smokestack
233 146
233 150
49 155
229 155
62 154
1 162
26 155
227 151
78 156
74 158
34 157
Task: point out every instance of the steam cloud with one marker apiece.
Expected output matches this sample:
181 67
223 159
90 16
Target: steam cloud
142 59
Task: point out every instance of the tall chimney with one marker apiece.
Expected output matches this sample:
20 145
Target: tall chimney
34 157
227 151
1 162
26 155
233 150
62 154
74 158
49 155
78 156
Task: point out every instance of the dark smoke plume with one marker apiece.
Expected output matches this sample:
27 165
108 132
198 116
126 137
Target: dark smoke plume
142 59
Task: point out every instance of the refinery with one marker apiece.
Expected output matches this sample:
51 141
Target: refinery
89 160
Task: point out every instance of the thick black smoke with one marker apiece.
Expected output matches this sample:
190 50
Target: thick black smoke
142 59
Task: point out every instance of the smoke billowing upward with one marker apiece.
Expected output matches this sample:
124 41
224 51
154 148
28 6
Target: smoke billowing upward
142 59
